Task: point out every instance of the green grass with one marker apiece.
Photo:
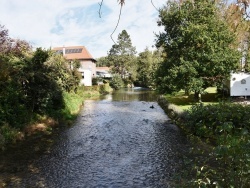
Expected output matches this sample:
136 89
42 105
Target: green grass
184 102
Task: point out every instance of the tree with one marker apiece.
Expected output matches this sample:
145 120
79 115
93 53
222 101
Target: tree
122 57
236 19
65 73
102 62
147 63
12 77
198 46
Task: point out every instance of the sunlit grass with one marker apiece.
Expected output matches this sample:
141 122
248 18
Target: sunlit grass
184 102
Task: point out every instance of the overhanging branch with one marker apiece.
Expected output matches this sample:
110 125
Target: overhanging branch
100 8
111 36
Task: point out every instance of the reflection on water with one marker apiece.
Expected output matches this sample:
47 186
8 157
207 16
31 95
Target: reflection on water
132 94
116 142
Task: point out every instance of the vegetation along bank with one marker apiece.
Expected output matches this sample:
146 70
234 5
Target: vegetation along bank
219 132
201 43
38 90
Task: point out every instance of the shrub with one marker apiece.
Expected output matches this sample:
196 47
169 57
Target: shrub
209 120
227 125
116 82
95 81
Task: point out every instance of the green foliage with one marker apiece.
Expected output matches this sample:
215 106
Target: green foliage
95 80
103 62
105 88
147 63
219 154
121 57
35 85
72 104
227 126
116 82
198 46
63 72
42 92
212 120
32 83
7 135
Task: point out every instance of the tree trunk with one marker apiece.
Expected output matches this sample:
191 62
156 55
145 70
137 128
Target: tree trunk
197 96
186 92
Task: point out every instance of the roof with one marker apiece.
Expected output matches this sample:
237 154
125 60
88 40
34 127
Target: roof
102 69
75 52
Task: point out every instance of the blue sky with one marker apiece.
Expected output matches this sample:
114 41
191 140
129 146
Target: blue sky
50 23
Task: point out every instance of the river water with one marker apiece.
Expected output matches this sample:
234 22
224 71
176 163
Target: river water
122 140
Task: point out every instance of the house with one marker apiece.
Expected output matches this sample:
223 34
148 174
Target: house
103 72
87 62
240 84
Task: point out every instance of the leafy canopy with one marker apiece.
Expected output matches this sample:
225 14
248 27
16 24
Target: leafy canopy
121 56
147 63
198 47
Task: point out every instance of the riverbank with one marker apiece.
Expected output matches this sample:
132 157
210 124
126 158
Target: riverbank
220 137
115 142
44 124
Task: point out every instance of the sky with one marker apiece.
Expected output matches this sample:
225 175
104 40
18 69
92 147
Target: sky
52 23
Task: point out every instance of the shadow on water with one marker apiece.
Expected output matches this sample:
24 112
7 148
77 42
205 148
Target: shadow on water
118 141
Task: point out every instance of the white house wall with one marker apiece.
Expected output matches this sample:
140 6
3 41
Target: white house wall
240 84
88 70
88 65
87 79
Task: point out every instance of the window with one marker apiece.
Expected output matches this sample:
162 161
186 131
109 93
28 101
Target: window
243 81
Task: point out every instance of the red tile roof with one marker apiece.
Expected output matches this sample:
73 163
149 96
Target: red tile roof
102 69
75 52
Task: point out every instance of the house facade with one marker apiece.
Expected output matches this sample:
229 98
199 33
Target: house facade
103 72
87 62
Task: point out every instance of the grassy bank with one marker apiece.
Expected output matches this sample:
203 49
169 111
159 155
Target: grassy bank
44 124
184 102
219 134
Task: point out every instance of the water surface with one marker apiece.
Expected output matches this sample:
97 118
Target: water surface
123 140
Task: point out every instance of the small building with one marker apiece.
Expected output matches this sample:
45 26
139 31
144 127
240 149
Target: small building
103 72
240 84
87 62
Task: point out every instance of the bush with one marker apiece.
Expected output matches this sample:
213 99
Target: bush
116 82
7 135
104 89
227 125
95 81
210 120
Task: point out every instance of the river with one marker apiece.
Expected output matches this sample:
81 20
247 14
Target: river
122 140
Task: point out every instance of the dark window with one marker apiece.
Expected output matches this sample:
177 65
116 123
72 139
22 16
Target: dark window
243 81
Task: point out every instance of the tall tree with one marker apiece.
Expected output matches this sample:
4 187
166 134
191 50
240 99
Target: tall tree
147 63
12 77
198 44
236 18
102 62
121 56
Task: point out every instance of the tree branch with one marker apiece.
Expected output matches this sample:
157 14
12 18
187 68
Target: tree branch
121 2
117 22
154 5
100 13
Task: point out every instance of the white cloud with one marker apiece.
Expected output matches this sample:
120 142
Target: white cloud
61 22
